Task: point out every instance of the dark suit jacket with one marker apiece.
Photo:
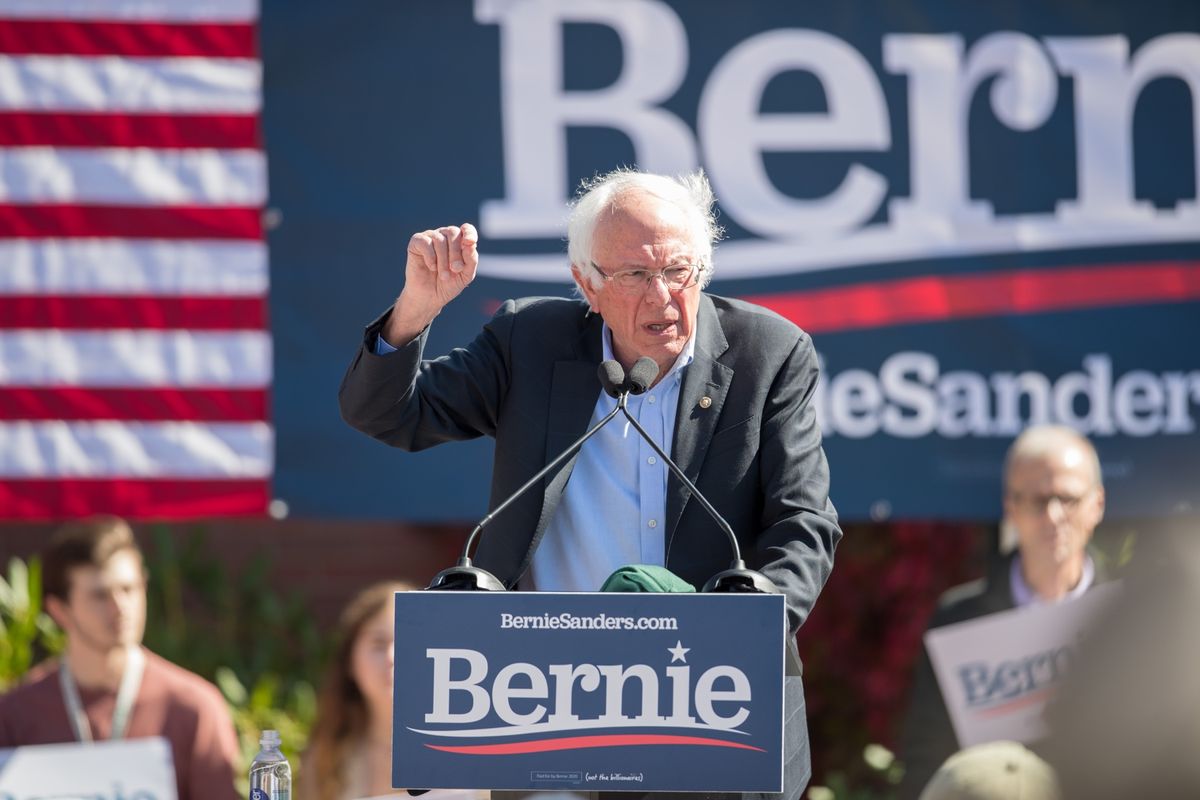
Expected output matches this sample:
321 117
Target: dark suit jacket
927 738
529 381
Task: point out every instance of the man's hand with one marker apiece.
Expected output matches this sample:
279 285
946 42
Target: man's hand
441 263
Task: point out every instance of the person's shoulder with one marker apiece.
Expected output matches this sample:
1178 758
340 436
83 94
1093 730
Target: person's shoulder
745 317
28 709
541 324
185 686
758 335
38 682
962 596
542 308
970 600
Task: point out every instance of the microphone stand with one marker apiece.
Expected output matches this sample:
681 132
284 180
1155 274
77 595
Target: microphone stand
464 576
737 578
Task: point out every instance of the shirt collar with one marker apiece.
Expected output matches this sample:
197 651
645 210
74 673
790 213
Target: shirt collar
676 371
1024 595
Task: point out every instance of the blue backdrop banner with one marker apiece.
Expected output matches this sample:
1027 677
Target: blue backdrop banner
985 214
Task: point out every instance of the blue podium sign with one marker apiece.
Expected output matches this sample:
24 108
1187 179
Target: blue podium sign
588 692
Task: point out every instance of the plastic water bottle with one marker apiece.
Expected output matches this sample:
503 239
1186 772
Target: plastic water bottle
270 774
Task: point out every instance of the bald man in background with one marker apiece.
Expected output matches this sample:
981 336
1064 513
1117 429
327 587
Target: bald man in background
1053 501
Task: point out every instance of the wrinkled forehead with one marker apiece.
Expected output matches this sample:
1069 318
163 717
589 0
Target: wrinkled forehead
638 223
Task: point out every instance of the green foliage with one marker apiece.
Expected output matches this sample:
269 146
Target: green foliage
267 706
262 650
1114 550
882 774
26 631
202 616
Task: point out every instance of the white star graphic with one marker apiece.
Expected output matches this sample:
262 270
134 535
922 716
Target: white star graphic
678 652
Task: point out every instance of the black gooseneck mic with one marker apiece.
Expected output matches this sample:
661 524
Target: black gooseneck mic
464 576
612 377
738 578
642 375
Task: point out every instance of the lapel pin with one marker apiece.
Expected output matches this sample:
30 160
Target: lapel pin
705 401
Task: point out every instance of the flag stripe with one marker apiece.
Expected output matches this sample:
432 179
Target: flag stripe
108 449
164 10
133 499
198 405
135 358
162 131
188 313
174 222
940 298
138 177
121 266
144 39
69 83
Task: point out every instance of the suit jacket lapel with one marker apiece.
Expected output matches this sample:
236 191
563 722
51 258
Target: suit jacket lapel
573 392
695 420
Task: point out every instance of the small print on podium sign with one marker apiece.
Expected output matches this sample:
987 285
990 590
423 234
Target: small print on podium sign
589 692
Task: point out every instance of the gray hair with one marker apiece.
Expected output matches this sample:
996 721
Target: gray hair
690 193
1043 441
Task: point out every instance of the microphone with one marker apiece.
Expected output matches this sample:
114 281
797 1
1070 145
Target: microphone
464 576
642 375
612 378
737 578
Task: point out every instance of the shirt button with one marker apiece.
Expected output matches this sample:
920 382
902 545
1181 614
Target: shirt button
650 400
653 523
651 460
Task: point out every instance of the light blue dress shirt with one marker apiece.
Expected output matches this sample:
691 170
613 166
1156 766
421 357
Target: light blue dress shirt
1024 594
612 512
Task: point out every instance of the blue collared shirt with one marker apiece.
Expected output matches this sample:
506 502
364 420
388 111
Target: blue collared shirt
1024 594
612 512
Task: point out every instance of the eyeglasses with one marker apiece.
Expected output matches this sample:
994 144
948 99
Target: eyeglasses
1038 503
634 281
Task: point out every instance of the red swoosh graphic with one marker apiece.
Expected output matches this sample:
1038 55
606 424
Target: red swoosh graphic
581 742
1039 696
940 298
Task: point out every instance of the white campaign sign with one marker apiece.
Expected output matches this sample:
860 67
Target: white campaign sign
997 672
132 769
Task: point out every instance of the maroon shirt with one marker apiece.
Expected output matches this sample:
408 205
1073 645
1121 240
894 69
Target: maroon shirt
173 703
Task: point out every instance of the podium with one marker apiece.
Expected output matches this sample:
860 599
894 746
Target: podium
591 692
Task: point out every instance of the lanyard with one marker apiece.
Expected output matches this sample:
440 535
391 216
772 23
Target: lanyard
131 681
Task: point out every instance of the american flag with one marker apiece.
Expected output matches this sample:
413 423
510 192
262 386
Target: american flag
135 359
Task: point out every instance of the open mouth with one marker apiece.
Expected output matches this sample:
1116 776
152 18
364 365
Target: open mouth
660 327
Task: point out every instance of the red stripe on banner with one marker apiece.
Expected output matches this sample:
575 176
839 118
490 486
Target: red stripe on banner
130 39
581 742
129 222
73 312
162 131
942 298
1039 697
133 499
143 405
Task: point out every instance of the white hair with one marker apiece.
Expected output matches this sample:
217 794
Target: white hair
691 193
1044 441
